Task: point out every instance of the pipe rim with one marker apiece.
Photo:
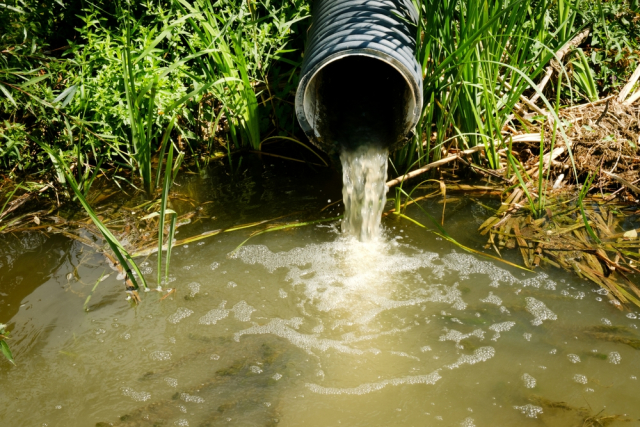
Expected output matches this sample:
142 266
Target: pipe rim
406 74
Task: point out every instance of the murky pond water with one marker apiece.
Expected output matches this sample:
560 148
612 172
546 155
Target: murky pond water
309 327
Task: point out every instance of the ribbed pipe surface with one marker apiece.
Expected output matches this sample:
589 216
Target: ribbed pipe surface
359 61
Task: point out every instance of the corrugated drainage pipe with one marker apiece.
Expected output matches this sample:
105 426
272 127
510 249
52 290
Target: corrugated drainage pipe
360 81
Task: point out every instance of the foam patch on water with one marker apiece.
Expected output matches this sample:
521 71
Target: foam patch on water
614 357
213 316
500 327
287 329
242 311
194 289
529 410
138 396
539 311
186 397
180 314
468 422
492 299
160 355
481 354
573 358
356 277
580 379
456 336
431 378
529 381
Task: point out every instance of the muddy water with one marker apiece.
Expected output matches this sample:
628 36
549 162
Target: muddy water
309 326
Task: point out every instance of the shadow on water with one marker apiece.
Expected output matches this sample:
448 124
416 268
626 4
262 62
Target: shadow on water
28 260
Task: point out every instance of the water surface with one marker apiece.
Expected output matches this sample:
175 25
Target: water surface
308 326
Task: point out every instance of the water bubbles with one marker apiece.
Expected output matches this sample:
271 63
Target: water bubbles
172 382
425 348
500 327
529 381
573 358
614 357
529 410
160 355
213 316
580 379
282 293
492 299
186 397
256 369
181 313
194 288
527 336
181 423
214 265
214 357
138 396
480 355
606 321
468 422
539 311
242 311
232 284
277 377
632 316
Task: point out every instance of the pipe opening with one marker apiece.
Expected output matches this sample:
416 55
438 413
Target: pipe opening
358 100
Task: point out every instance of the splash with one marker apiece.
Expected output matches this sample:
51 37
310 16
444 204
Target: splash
364 173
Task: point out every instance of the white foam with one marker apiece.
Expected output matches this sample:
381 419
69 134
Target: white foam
531 411
580 379
242 311
138 396
181 313
453 335
287 329
500 327
468 422
431 378
213 316
194 288
539 311
480 355
529 381
573 358
160 355
492 299
186 397
614 357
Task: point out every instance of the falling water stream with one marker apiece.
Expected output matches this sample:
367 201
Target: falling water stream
364 190
310 326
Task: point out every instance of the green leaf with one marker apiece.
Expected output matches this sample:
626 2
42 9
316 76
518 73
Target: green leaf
67 95
8 95
6 351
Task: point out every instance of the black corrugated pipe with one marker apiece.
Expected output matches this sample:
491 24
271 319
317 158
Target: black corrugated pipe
360 81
